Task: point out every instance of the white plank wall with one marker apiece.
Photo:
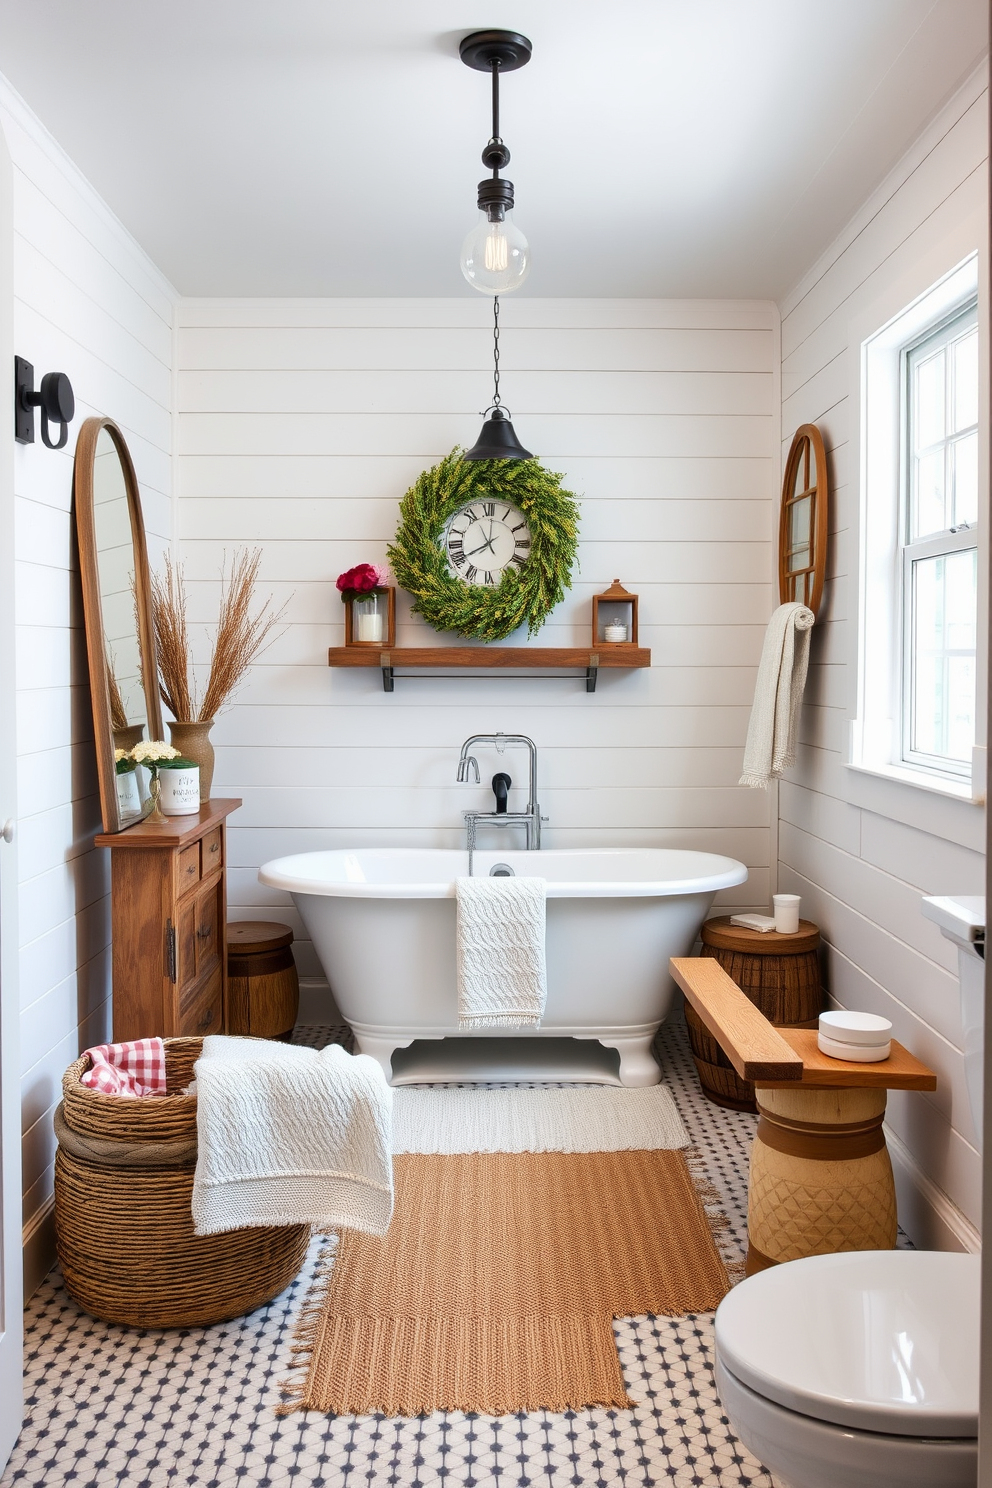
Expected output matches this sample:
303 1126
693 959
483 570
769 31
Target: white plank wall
301 425
87 302
862 850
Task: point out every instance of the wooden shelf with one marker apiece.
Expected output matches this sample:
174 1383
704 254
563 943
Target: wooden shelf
587 659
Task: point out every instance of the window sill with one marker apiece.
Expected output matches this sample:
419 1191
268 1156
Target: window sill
940 785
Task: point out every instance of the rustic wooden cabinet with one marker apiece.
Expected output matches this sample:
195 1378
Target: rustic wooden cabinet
169 922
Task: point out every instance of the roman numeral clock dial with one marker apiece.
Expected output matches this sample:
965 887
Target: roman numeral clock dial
486 538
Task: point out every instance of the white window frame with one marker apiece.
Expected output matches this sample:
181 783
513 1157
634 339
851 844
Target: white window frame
934 545
878 344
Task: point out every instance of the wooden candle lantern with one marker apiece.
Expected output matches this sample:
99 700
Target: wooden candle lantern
374 629
612 611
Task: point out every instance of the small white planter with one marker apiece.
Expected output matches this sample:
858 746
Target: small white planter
128 799
180 791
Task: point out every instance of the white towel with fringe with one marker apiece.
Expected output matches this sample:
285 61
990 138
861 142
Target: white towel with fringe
771 735
289 1135
502 981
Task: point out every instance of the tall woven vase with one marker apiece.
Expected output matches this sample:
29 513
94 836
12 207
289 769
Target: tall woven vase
193 741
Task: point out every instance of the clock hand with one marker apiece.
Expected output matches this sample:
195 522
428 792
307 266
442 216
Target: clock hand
473 551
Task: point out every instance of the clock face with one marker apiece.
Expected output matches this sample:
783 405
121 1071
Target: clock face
484 539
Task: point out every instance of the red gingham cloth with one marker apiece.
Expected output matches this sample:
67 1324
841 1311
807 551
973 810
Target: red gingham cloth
137 1068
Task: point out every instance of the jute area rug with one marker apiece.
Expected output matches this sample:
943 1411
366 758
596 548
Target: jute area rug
495 1289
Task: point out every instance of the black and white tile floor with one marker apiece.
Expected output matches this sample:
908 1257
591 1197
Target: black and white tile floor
107 1406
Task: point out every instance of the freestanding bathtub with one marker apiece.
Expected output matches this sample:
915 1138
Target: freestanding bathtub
382 921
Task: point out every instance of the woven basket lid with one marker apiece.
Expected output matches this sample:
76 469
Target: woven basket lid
727 937
248 937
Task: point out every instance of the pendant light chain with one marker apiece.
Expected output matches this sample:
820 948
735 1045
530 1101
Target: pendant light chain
496 398
495 139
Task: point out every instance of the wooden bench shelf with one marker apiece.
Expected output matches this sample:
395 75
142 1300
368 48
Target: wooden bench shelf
490 659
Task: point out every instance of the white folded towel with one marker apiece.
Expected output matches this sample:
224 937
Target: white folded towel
500 952
288 1135
771 736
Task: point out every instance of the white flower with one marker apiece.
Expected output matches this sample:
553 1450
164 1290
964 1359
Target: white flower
153 751
120 754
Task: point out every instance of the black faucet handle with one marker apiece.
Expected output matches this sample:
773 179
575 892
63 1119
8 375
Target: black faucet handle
501 784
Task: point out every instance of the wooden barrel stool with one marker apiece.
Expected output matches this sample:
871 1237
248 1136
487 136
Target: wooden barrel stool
821 1179
781 976
263 988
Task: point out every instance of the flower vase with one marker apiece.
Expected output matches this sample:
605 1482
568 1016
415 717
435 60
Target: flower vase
193 742
156 814
127 738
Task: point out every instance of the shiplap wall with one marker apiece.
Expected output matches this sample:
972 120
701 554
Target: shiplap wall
87 302
302 423
862 849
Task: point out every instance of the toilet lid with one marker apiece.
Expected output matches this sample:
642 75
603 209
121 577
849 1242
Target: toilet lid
881 1340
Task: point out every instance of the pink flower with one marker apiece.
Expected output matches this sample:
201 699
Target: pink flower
362 578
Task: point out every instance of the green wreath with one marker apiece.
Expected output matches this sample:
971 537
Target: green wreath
529 593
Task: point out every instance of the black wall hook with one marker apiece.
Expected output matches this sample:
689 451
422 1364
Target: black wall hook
55 400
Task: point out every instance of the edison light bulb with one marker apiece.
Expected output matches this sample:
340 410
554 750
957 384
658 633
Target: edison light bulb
495 256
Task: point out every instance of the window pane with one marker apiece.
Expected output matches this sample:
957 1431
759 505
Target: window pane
930 401
966 381
928 514
965 456
943 693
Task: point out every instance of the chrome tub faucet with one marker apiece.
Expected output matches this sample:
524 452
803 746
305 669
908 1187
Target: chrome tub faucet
530 819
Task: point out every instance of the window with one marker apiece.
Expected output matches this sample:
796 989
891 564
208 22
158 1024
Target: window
940 552
921 519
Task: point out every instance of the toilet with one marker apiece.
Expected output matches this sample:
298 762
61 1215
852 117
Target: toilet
860 1369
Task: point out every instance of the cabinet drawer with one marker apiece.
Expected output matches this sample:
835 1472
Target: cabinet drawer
213 850
188 868
201 1008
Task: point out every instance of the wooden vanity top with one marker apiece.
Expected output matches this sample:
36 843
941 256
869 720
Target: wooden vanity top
177 831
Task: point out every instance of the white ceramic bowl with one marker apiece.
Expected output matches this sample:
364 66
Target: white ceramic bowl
855 1028
857 1053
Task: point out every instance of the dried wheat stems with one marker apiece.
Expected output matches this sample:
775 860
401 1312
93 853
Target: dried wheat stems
241 637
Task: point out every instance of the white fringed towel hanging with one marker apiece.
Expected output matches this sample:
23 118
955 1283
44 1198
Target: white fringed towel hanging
778 695
500 952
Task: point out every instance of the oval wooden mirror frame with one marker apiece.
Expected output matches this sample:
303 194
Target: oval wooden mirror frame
84 499
802 528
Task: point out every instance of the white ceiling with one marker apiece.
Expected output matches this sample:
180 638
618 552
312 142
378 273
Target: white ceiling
660 147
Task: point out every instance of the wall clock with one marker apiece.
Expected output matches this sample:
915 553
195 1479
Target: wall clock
485 546
483 538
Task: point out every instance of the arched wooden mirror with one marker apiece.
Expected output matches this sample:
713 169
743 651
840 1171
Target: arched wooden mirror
802 532
120 638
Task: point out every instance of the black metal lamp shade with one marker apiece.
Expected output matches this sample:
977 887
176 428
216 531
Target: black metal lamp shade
497 441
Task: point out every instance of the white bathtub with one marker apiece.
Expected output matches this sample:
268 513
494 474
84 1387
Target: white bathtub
382 921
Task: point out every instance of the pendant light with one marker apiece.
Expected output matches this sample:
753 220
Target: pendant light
495 256
497 440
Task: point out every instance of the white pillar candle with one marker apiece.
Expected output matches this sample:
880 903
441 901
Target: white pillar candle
369 627
615 633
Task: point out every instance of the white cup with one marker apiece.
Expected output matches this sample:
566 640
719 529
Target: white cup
786 908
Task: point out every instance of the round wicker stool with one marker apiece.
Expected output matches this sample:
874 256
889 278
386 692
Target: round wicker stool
263 988
123 1223
781 976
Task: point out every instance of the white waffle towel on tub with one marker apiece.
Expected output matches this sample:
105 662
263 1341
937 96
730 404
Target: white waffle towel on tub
288 1135
502 981
771 735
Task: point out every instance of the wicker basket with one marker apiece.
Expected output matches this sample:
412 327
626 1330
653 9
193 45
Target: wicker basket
781 976
123 1223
